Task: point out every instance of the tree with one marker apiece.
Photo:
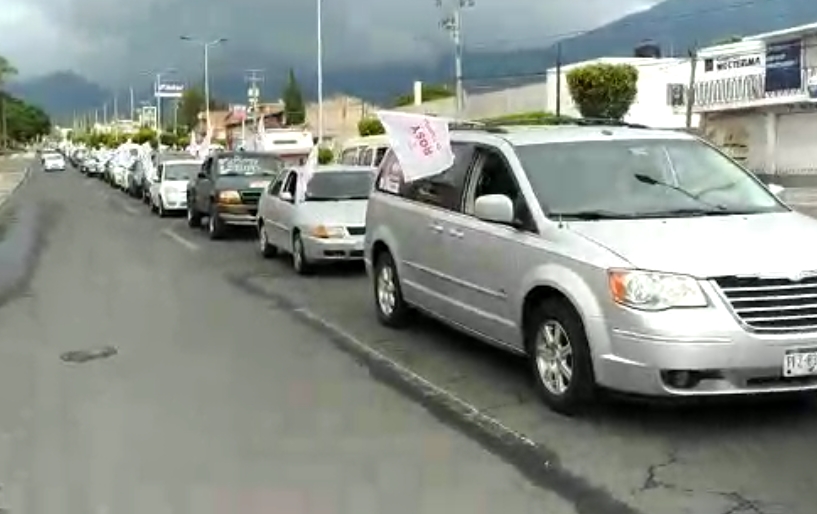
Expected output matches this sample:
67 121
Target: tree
603 90
25 122
6 70
294 108
191 105
370 127
430 92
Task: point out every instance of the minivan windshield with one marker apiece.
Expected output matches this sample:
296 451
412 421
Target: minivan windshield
641 178
340 185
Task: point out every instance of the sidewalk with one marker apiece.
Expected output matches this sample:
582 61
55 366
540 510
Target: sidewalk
12 172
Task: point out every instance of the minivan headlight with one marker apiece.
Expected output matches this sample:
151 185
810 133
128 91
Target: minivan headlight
652 291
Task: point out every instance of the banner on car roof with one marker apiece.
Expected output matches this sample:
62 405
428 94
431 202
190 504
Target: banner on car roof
421 143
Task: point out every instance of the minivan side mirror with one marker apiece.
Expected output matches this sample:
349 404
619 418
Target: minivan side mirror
776 189
201 174
494 209
286 196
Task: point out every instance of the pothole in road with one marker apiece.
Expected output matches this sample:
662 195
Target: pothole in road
82 356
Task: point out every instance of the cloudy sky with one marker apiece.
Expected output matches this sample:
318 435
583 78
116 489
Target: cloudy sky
110 41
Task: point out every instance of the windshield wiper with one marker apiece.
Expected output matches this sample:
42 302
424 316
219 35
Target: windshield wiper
686 213
646 179
594 215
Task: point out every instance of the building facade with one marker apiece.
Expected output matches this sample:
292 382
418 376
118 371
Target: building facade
651 106
758 100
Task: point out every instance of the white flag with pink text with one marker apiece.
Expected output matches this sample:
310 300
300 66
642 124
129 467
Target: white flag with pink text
421 143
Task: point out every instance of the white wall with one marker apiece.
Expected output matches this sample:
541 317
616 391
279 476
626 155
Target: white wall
531 97
651 106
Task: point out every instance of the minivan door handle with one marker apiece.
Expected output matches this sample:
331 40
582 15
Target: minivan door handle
436 227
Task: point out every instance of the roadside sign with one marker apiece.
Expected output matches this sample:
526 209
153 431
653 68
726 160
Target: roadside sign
169 90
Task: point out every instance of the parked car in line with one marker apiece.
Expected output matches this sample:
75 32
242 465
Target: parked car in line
610 256
227 189
364 151
317 219
53 161
135 178
168 194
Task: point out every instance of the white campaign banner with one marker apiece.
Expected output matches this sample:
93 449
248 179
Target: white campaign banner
421 143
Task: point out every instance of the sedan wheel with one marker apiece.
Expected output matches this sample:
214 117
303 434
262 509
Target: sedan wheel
299 261
267 250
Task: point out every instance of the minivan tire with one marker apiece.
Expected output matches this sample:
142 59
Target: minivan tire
385 275
215 225
560 316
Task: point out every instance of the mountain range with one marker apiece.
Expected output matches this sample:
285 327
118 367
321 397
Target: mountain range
673 25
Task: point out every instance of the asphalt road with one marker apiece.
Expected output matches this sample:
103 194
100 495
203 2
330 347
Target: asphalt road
213 341
212 399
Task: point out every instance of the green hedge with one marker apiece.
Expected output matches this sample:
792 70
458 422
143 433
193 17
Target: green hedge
527 118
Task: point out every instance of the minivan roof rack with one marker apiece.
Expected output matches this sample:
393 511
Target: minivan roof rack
496 127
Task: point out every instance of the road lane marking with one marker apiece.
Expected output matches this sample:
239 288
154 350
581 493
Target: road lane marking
190 245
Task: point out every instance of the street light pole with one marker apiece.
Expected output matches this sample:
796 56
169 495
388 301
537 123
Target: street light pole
206 46
320 71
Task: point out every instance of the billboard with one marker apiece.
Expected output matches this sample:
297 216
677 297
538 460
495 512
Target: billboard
784 68
169 90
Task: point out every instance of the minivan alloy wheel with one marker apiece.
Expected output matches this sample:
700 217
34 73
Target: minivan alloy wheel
386 292
554 357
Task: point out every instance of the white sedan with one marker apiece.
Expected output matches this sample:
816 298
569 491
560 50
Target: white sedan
168 194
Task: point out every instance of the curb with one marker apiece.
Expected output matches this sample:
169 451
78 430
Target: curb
18 185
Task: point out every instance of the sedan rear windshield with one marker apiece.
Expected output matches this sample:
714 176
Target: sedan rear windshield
340 185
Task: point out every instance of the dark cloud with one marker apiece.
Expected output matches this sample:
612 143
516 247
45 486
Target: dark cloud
113 41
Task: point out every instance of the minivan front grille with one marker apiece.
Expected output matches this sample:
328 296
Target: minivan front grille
772 304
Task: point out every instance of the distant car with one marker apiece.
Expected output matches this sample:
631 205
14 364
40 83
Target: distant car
53 162
227 189
168 194
319 219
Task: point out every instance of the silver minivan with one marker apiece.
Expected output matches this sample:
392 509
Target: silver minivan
643 261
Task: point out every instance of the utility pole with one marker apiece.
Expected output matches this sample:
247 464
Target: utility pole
452 22
254 78
558 80
116 107
5 123
105 114
132 105
693 65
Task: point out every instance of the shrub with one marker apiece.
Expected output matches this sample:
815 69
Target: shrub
370 127
603 90
325 155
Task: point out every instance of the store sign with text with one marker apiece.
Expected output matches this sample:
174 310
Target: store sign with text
169 90
734 64
784 69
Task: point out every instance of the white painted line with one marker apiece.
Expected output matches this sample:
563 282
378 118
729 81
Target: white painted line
474 413
190 245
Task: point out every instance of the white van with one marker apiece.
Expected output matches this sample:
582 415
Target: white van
364 151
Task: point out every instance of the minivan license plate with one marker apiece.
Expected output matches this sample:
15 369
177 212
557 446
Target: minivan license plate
800 362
